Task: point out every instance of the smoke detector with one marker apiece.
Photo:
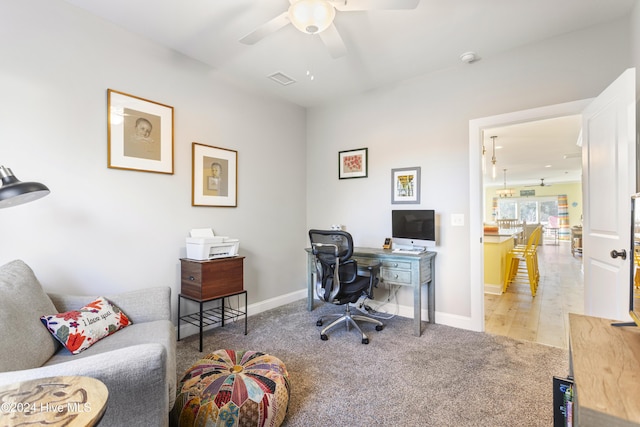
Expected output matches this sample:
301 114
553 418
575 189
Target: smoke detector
468 57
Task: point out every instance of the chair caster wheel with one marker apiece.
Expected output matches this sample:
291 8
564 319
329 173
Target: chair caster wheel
365 340
319 323
379 327
324 337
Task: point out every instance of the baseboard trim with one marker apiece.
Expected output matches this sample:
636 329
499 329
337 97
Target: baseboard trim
447 319
492 289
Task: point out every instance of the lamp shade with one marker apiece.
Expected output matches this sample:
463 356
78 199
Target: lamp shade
14 192
311 16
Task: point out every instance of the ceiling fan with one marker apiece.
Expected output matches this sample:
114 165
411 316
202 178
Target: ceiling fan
542 184
316 17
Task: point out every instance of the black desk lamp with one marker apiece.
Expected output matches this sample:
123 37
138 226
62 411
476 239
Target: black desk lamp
13 192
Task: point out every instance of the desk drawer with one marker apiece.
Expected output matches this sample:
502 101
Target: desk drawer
397 264
395 275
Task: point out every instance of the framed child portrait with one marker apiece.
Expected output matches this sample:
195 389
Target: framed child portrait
139 133
214 176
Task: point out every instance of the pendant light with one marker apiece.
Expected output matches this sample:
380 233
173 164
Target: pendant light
505 192
484 158
493 158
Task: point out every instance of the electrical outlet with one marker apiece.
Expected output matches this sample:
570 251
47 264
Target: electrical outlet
457 220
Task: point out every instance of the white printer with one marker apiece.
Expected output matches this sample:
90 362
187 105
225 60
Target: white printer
202 244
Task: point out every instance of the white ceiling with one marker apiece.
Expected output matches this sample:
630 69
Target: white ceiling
383 47
533 151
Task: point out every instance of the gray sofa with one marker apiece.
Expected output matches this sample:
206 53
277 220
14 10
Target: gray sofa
136 363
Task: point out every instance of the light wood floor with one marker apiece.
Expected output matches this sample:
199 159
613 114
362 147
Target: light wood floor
543 318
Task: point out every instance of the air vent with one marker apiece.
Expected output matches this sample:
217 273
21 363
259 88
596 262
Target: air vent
283 79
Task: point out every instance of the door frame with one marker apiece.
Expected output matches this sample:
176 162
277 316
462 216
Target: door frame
476 193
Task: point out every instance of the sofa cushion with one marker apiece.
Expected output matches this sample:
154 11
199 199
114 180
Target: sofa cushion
25 343
78 330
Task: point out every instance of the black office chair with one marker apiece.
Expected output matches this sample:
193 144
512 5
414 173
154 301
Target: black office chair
337 279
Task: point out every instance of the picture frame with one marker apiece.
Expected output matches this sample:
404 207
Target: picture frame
353 163
214 179
405 185
139 133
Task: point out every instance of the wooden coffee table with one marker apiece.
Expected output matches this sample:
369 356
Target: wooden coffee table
55 401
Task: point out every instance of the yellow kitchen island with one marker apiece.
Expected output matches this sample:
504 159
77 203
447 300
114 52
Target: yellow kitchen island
497 245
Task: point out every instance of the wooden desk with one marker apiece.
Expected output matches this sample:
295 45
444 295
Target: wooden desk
60 401
401 269
605 365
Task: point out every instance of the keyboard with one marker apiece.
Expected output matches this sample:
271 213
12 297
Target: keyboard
408 251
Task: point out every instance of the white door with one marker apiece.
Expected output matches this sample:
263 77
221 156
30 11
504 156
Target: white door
609 179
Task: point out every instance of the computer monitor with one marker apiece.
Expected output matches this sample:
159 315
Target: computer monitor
413 228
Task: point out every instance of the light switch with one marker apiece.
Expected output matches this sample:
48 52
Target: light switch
457 220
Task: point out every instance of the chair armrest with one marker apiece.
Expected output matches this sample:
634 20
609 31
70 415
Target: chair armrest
374 277
374 266
144 305
135 378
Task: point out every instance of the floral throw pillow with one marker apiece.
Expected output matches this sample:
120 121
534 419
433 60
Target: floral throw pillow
78 330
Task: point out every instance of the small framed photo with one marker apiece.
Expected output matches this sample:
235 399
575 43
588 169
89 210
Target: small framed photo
140 134
405 185
353 163
215 176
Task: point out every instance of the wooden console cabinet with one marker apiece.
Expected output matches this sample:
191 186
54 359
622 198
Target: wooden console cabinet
207 281
605 365
211 278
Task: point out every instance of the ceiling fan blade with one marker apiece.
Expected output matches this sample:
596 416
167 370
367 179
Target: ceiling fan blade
542 184
354 5
266 29
333 41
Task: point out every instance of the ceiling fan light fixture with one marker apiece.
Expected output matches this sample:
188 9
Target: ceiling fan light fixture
312 16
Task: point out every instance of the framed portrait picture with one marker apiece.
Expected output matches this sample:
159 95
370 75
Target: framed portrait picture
405 185
353 163
140 133
215 176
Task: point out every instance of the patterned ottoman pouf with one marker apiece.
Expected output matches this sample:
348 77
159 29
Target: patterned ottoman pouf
233 388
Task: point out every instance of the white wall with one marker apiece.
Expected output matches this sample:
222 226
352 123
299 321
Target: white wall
635 46
102 230
105 230
425 122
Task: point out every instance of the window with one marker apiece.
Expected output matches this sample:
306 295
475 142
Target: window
548 208
529 211
507 209
532 211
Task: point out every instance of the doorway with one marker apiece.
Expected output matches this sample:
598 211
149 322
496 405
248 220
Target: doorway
476 130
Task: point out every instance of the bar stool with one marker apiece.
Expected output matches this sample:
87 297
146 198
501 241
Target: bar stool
529 269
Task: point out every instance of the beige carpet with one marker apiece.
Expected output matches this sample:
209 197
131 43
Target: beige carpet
446 377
